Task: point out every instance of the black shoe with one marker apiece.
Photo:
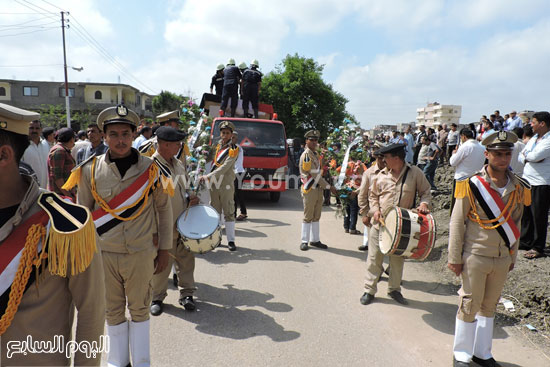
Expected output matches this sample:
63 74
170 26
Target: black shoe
398 297
319 244
175 280
231 246
304 246
188 303
459 363
367 298
156 308
346 230
363 247
486 362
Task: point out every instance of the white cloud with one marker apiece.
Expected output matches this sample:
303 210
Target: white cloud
508 71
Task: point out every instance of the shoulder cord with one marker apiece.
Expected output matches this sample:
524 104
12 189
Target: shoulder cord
403 183
29 257
474 216
153 173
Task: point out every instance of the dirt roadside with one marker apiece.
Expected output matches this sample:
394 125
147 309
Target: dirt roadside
528 285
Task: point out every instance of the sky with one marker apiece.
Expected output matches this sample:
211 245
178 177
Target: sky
387 57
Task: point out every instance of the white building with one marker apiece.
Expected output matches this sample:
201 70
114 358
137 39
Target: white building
438 114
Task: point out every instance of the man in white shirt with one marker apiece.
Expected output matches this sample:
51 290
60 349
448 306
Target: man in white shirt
36 154
467 159
144 134
488 129
452 141
515 164
239 176
536 157
513 121
409 157
80 143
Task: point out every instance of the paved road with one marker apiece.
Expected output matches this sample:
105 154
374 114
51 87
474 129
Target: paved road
270 304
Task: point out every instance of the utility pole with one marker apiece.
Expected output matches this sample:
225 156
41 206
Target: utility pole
67 104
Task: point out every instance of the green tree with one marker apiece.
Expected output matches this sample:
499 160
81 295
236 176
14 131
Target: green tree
301 98
166 101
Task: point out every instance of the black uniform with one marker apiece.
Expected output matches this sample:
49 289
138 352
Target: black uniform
231 77
251 80
217 81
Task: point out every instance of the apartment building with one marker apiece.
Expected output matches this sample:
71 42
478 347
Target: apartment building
438 114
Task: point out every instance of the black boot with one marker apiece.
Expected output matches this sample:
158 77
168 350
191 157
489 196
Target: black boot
245 114
255 113
233 112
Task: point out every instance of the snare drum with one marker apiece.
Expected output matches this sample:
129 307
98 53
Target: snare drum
199 228
408 234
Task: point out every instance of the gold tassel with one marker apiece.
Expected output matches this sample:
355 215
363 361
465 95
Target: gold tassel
304 190
234 152
526 196
73 179
461 188
167 185
186 150
78 247
306 164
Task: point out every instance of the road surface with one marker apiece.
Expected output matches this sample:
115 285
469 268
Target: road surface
270 304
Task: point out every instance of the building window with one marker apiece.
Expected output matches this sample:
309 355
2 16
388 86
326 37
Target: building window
30 91
98 94
62 92
138 100
2 91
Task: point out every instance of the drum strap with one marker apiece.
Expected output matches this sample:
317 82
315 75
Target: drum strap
403 183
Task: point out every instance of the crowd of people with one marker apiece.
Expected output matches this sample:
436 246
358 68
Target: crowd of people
126 183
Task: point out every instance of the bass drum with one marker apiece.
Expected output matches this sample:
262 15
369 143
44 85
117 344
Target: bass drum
199 229
407 233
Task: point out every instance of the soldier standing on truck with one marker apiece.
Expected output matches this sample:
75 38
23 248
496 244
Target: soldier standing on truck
217 80
252 81
231 77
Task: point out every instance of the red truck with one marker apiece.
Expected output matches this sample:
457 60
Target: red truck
263 142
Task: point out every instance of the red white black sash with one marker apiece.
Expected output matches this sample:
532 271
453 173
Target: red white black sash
11 250
308 182
105 221
221 155
492 204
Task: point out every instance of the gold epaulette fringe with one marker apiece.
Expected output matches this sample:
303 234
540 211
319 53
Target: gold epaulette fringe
233 152
461 189
526 196
75 248
186 150
167 185
73 179
306 164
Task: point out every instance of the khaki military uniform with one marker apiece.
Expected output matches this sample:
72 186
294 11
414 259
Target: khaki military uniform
313 185
363 197
128 250
185 260
384 195
47 308
486 261
484 254
221 181
312 196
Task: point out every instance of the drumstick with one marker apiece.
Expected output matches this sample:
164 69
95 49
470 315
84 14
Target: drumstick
381 221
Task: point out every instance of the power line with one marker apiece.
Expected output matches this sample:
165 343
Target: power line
55 6
36 6
27 26
84 34
22 33
20 24
33 8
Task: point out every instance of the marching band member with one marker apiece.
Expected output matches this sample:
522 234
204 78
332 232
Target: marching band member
122 186
312 191
49 262
363 197
221 179
395 185
483 241
169 144
172 119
